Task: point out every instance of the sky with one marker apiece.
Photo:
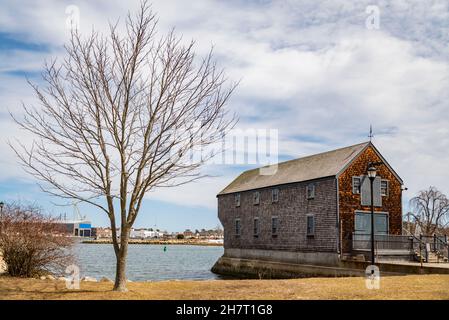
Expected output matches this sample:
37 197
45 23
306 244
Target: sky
319 72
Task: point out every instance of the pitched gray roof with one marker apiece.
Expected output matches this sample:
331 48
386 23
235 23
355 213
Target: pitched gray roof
321 165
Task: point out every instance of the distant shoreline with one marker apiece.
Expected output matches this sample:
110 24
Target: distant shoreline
159 242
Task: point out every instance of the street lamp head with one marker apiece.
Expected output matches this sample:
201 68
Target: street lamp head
372 171
1 205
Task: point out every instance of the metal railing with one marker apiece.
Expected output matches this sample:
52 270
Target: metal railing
441 246
422 245
382 242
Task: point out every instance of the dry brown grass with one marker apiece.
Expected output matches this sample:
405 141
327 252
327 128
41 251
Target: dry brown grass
404 287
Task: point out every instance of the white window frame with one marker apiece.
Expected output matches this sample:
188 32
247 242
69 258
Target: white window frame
256 197
310 234
237 199
360 185
237 234
388 187
256 230
274 195
310 187
387 214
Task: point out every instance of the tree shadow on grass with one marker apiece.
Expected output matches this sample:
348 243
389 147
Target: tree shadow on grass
18 288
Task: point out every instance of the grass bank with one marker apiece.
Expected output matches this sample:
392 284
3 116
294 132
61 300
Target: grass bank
399 287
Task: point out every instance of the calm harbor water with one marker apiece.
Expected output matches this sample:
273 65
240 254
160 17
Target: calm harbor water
150 262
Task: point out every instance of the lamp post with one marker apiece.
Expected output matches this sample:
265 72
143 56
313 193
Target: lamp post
372 175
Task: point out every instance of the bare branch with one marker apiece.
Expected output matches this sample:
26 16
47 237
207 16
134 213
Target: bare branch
122 115
430 210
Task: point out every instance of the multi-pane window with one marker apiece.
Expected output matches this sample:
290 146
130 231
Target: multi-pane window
356 185
384 187
237 200
310 190
310 225
256 197
362 223
237 227
256 227
275 195
274 225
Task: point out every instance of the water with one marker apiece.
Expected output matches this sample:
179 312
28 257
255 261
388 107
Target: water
150 262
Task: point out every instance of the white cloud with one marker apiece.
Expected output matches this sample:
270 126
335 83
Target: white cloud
310 69
200 193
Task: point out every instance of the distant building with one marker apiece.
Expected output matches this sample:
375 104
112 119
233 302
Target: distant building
102 233
145 234
210 234
188 234
78 228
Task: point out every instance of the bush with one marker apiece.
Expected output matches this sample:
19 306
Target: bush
180 236
33 244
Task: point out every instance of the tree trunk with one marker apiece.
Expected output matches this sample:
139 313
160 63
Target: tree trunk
120 274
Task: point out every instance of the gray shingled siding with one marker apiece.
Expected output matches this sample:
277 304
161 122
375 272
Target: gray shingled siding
292 210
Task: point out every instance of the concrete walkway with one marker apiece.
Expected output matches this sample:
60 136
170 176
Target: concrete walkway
402 267
444 265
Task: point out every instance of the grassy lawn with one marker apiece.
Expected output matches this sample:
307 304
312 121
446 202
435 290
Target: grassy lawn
404 287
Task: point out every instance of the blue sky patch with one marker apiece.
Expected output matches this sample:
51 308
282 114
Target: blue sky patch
10 41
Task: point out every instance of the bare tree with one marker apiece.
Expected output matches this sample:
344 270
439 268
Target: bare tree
33 244
430 208
121 116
